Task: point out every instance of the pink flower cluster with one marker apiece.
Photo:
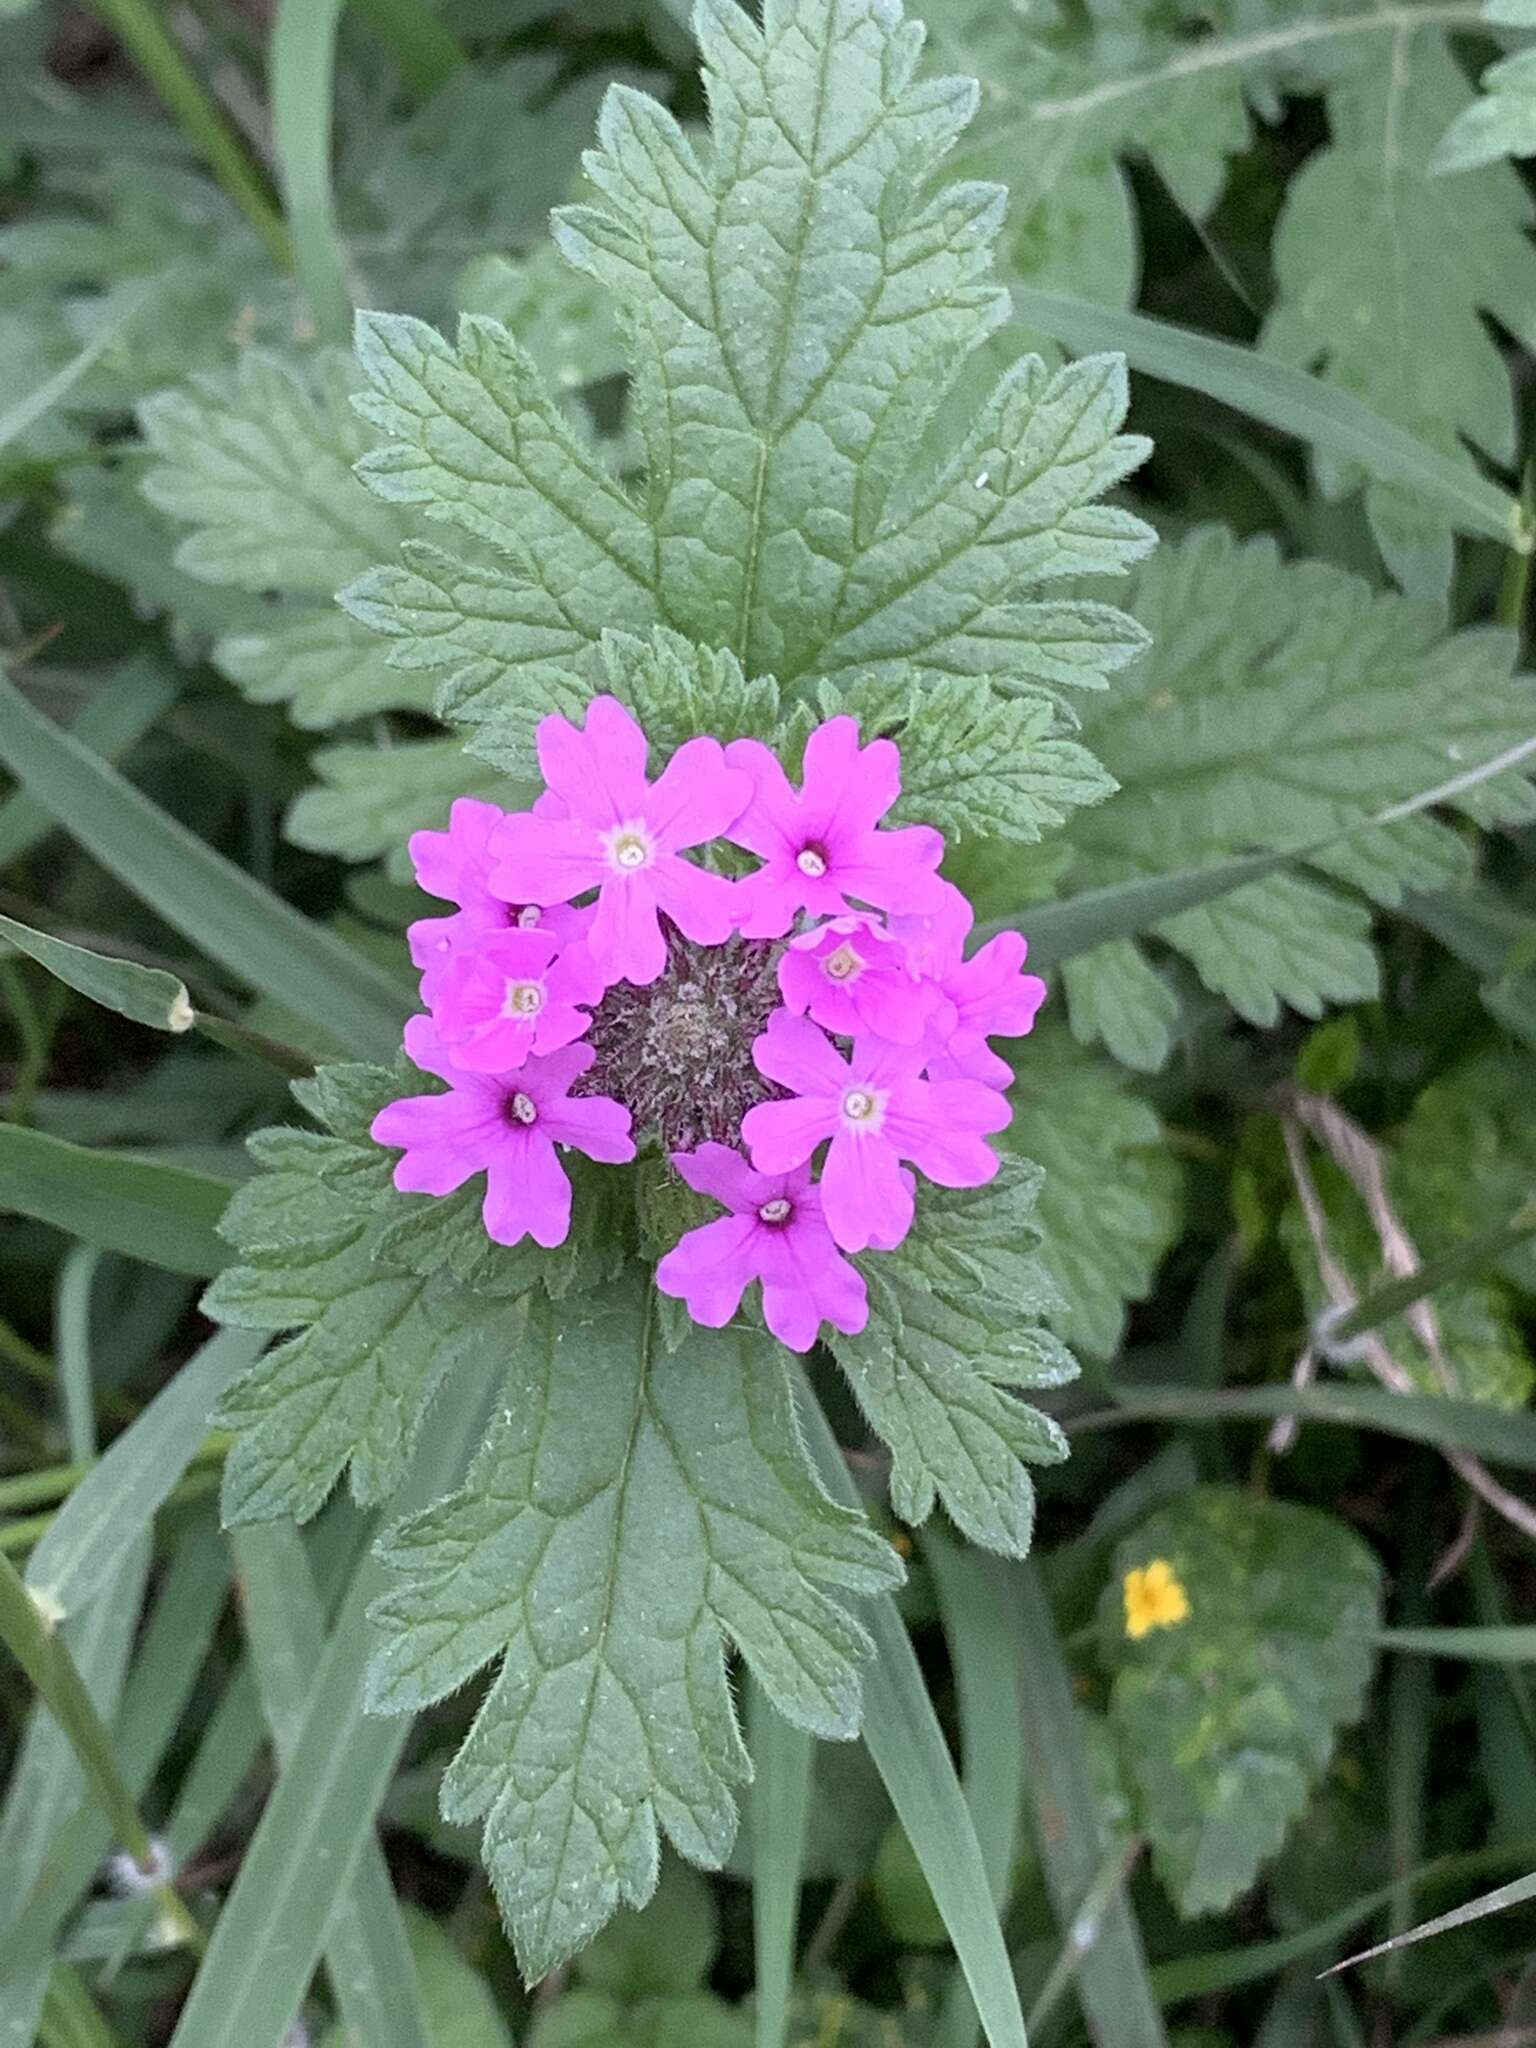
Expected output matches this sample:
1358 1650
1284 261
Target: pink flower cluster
879 1049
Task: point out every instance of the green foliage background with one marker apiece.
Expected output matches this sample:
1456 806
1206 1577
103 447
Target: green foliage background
1227 703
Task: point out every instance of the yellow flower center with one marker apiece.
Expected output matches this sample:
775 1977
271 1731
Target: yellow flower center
1154 1598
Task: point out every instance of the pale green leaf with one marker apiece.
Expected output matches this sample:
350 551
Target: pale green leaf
956 1320
368 801
1280 703
629 1507
1109 1205
1501 123
1227 1718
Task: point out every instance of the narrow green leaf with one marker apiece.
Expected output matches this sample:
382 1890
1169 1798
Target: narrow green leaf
165 1215
302 73
1492 1645
987 1678
24 412
1285 398
147 995
1499 1435
121 1493
1117 1997
272 1929
119 714
904 1738
781 1797
367 1956
1517 1894
29 1633
1457 1262
216 905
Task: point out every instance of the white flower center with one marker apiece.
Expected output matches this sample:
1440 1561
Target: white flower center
523 1108
778 1210
524 999
630 847
810 860
843 965
528 917
860 1105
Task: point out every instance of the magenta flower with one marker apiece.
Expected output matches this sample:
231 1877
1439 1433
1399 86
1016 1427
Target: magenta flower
775 1233
456 865
624 837
987 996
820 847
516 993
506 1127
852 976
877 1112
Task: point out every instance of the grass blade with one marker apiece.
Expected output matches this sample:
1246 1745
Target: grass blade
145 995
220 908
272 1929
303 73
1115 1989
903 1736
366 1952
1509 1645
781 1797
110 722
1502 1436
120 1495
16 418
987 1678
165 1215
1059 931
1287 399
1517 1894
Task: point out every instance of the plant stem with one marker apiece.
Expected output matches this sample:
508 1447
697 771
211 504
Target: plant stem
1387 1301
163 62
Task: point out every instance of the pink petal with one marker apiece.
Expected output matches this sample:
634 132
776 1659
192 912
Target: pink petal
770 822
551 1078
721 1171
863 1191
781 1135
599 772
499 1046
709 1269
939 1126
882 1064
799 1055
626 939
968 1057
454 864
425 1049
527 1193
806 1283
767 901
696 796
594 1124
439 1124
847 790
702 906
895 870
546 860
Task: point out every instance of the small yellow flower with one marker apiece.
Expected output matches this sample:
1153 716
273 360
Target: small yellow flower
1154 1599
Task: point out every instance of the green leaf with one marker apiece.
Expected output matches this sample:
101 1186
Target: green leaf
122 1492
1383 268
332 1251
629 1507
1227 1717
1110 1202
1282 703
1501 123
1467 1158
369 800
669 1946
956 1320
165 1215
303 65
217 905
977 763
796 312
146 995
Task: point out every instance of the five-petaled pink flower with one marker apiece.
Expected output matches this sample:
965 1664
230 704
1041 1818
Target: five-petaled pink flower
506 1126
851 976
820 847
624 836
456 865
877 1112
775 1233
987 996
516 993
